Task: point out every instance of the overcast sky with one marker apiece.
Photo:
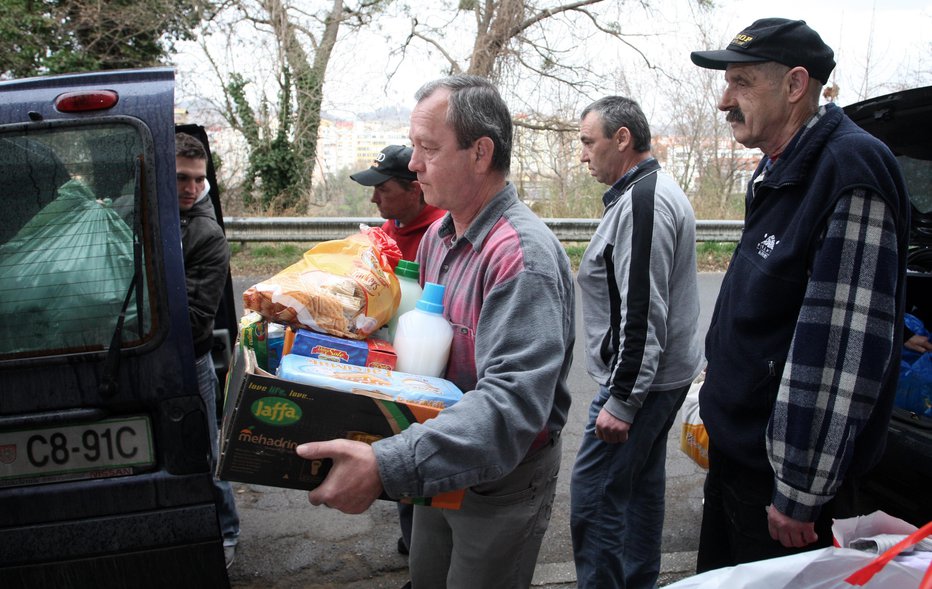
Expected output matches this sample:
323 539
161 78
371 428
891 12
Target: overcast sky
879 46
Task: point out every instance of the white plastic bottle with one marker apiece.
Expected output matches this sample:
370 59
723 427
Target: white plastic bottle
411 291
423 339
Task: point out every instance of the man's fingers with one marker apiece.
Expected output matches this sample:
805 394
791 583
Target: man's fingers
789 532
795 539
320 495
809 537
314 499
352 483
318 450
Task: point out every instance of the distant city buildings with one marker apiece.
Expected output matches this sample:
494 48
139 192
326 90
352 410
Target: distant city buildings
690 159
352 145
540 158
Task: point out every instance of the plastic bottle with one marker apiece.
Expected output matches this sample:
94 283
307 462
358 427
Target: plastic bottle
423 339
411 291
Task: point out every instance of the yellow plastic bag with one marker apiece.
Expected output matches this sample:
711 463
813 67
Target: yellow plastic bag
345 287
694 441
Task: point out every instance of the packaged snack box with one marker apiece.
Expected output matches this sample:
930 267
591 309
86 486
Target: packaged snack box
263 338
366 380
372 351
265 418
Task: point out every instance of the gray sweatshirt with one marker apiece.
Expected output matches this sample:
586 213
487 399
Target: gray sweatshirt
639 291
509 295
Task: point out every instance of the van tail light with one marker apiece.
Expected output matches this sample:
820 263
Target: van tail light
86 100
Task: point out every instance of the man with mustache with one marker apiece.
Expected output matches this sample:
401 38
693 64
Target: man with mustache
803 348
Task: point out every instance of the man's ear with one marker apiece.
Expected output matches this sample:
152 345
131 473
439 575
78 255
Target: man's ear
483 150
622 138
798 81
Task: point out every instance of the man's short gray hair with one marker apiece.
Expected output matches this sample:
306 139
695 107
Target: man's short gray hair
617 112
476 110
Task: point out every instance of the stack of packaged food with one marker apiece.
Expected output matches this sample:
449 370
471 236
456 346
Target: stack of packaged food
323 321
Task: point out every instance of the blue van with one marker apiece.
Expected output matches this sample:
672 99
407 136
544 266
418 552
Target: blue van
104 471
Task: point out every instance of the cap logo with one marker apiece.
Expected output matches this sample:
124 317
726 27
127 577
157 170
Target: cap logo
742 40
378 159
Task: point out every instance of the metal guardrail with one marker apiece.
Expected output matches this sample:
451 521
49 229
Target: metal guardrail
313 229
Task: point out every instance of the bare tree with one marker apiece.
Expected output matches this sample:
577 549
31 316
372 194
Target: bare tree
282 132
530 48
698 148
522 44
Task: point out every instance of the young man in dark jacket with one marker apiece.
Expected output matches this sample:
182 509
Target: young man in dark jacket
206 265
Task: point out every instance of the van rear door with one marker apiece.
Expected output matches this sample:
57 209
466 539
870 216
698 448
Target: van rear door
900 483
104 472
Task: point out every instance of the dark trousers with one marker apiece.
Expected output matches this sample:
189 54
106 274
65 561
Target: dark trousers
734 515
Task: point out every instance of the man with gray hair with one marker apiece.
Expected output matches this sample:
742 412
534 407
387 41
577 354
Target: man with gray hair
803 348
641 309
509 295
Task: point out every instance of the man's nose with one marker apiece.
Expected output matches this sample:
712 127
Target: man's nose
726 102
415 164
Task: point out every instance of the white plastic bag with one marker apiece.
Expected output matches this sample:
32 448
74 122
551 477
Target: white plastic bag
826 568
694 441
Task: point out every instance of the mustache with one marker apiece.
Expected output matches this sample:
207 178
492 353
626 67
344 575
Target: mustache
735 116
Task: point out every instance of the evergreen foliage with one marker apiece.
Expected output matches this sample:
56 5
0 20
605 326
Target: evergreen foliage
59 36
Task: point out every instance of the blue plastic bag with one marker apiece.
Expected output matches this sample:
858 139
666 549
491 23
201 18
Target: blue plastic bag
914 389
915 325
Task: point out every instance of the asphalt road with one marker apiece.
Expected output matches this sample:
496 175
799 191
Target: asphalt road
286 543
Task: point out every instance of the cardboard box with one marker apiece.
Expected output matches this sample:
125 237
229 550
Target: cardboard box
372 351
265 418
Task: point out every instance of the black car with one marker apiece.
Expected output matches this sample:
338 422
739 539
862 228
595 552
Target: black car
104 473
901 484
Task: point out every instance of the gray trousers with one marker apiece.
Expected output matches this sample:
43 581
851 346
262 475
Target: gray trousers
493 540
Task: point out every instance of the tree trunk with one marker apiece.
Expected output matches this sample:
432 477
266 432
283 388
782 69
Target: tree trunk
308 79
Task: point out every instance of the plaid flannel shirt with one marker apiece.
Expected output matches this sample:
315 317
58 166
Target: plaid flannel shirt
841 347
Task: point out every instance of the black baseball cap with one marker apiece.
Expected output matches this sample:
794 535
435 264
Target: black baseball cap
790 42
392 162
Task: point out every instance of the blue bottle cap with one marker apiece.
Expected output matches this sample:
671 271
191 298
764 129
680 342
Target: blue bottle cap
431 300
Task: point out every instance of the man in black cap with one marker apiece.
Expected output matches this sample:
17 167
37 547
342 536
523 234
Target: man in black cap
803 348
399 198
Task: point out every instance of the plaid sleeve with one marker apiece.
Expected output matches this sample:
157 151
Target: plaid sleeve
840 350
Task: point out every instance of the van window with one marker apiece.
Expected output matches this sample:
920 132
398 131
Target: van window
71 243
918 174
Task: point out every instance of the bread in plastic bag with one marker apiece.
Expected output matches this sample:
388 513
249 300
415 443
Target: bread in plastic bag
345 287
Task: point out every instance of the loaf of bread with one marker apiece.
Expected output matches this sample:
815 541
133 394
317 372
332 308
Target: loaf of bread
344 287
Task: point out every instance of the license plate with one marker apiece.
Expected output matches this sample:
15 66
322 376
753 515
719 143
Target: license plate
103 449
